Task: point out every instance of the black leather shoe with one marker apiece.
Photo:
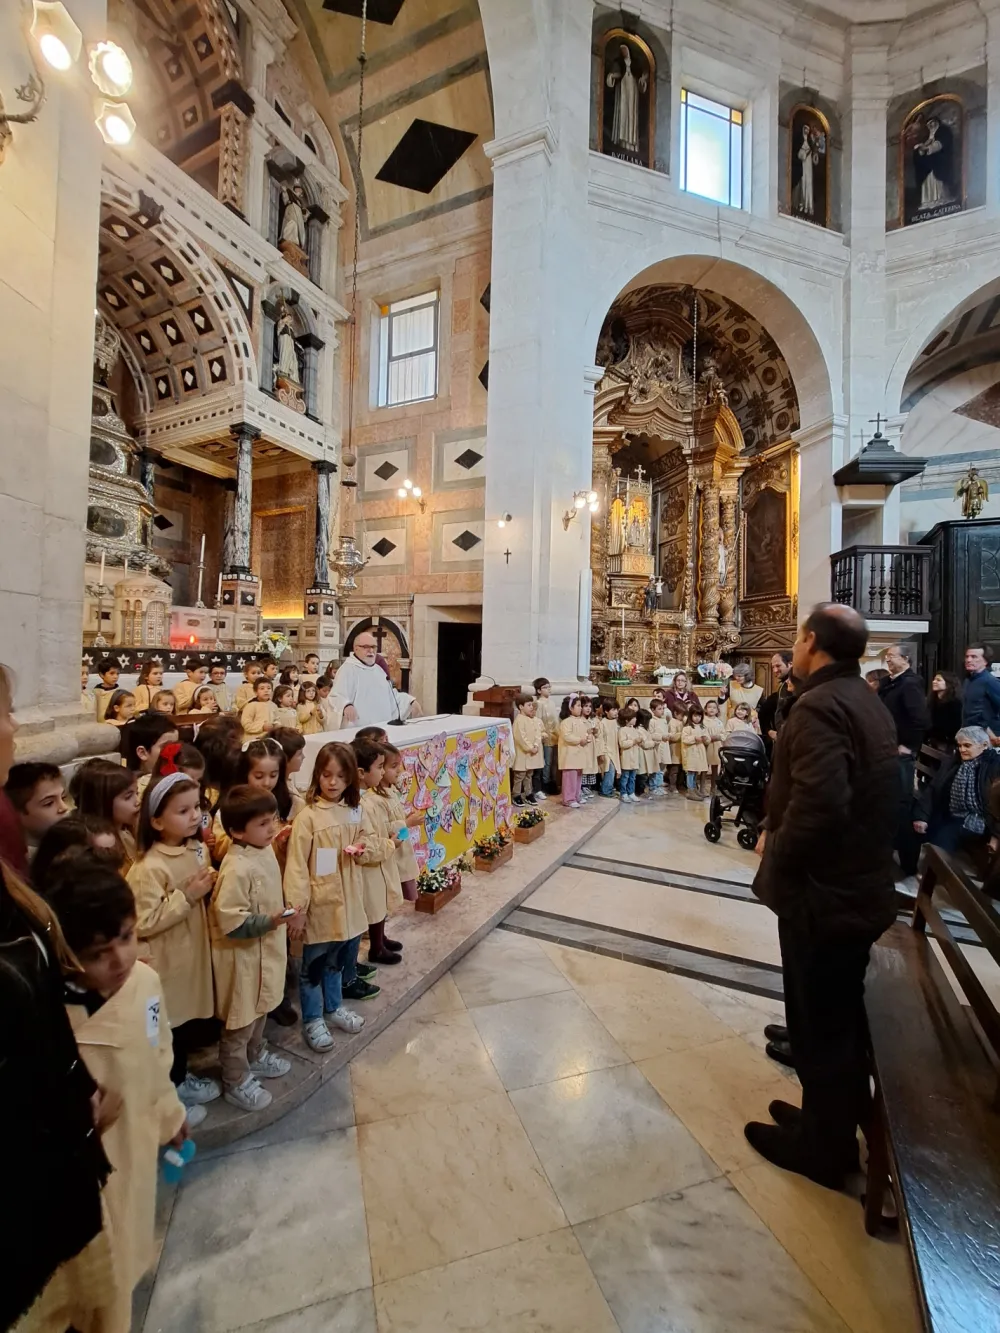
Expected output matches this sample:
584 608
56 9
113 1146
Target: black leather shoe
780 1051
784 1148
286 1015
776 1032
785 1114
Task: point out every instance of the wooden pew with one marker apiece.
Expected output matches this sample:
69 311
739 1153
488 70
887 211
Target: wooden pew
937 1104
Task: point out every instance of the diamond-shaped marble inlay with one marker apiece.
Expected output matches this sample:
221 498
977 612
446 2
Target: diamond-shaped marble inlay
167 271
468 459
139 285
146 342
121 229
172 331
112 298
199 318
202 45
162 387
383 547
386 471
466 540
217 369
189 378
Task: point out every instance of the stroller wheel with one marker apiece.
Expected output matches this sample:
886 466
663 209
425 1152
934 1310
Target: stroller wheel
747 837
715 810
712 832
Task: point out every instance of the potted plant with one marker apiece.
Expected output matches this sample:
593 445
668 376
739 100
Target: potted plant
529 825
492 852
436 888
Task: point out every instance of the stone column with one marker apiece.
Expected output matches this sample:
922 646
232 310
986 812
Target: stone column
821 450
244 436
868 90
539 413
321 573
51 188
229 527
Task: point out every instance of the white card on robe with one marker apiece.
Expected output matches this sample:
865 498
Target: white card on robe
326 861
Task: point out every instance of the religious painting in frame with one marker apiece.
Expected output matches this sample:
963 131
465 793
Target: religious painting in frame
765 546
626 98
809 165
932 160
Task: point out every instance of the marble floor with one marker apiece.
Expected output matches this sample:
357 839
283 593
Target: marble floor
548 1141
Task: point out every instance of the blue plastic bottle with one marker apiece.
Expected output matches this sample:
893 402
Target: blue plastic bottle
176 1159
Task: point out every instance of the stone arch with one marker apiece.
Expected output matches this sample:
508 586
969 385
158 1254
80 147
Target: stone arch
150 269
515 40
941 303
325 149
793 315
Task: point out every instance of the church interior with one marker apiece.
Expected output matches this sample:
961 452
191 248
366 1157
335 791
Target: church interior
531 339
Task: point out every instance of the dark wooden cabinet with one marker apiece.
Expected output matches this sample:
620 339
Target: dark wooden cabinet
964 601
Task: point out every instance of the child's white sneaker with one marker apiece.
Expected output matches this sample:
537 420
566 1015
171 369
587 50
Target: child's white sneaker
346 1020
317 1036
269 1065
194 1090
249 1096
194 1116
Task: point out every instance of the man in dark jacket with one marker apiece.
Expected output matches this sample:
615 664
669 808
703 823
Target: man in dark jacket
981 696
902 692
827 872
771 711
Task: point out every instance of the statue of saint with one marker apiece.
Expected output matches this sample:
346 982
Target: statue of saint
616 527
625 127
293 220
973 491
288 360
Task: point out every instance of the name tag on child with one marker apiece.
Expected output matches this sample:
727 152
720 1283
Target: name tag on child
326 861
153 1020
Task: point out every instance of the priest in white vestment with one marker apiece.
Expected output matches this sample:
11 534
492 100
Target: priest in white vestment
363 683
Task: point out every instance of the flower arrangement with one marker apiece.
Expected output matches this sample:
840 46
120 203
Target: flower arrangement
529 818
488 849
664 676
274 642
622 669
714 671
437 881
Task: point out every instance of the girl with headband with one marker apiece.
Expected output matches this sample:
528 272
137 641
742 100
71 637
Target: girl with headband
171 880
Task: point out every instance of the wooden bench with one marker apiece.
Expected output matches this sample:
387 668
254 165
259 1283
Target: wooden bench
937 1105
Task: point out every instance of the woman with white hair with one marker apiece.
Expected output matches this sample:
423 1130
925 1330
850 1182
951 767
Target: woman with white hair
953 812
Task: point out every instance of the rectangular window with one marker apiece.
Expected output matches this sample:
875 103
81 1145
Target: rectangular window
711 149
408 350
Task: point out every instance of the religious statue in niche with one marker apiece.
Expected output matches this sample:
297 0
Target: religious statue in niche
765 550
973 490
931 152
292 232
287 373
626 98
809 165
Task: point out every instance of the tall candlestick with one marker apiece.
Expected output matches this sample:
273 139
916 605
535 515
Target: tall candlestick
202 556
260 596
101 579
218 592
623 631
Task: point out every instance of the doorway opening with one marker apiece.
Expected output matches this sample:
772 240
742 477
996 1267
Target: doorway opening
459 652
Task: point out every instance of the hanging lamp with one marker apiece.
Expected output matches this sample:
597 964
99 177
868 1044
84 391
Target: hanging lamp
348 561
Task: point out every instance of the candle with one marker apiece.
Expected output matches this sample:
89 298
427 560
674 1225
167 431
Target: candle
201 558
125 572
218 593
623 631
260 596
101 579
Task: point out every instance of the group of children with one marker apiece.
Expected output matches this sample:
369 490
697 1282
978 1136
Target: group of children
627 752
267 698
195 907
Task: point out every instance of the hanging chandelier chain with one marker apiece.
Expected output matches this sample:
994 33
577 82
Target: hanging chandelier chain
362 61
694 351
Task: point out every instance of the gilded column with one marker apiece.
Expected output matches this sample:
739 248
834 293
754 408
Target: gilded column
727 573
708 609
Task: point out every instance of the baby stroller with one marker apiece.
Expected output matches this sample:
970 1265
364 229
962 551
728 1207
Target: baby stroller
742 779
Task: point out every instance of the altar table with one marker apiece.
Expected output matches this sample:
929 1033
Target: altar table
456 771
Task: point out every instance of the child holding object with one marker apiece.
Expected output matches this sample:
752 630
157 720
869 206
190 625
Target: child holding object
323 876
248 919
171 880
694 747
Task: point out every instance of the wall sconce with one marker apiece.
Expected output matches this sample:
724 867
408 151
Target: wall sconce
60 42
581 500
504 519
408 489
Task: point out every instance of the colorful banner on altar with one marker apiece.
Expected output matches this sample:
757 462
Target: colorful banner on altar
461 784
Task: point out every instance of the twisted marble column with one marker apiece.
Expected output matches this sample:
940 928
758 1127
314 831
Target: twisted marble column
727 582
244 436
710 533
321 572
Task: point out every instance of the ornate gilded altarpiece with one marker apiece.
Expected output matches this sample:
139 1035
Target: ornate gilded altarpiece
684 499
